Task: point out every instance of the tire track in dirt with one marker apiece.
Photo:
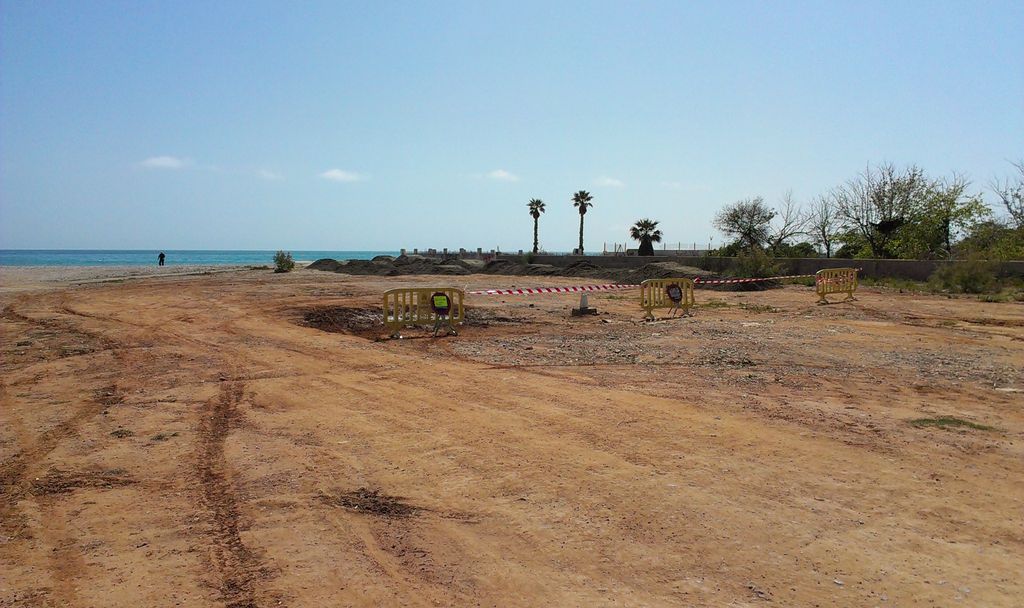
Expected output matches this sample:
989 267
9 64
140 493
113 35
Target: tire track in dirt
14 482
104 343
66 562
237 568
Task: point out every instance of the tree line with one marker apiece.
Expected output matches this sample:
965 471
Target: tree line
581 200
885 212
645 230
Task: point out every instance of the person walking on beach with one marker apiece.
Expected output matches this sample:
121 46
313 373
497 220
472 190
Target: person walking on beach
160 258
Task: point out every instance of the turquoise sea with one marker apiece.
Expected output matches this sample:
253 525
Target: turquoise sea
136 257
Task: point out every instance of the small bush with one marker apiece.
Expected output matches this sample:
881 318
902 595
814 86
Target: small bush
755 265
283 261
973 275
899 284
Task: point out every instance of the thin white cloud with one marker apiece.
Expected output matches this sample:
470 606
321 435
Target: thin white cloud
340 175
271 175
609 182
165 162
503 176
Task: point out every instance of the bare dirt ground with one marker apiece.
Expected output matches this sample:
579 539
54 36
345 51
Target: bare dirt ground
206 441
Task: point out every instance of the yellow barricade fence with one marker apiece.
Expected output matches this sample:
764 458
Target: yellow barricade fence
835 280
418 306
676 294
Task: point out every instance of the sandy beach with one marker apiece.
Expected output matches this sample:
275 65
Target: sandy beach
22 278
243 438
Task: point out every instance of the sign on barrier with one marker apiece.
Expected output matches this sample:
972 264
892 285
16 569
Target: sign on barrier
835 280
675 294
423 306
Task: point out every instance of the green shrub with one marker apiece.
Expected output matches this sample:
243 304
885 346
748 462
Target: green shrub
973 275
283 261
898 284
755 265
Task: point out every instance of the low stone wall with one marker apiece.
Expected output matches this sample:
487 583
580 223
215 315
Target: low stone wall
917 270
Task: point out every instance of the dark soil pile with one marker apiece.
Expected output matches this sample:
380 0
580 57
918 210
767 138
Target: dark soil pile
363 322
584 268
325 264
414 264
372 502
664 270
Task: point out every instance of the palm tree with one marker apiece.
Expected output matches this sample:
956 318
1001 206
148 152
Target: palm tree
646 231
581 200
536 208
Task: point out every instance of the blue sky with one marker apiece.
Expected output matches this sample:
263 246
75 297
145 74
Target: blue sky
379 125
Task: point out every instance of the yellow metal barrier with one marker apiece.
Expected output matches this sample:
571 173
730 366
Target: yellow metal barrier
413 306
676 294
835 280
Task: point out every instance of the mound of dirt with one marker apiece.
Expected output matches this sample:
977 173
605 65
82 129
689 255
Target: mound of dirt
402 260
326 264
665 270
420 265
540 270
500 267
585 269
472 265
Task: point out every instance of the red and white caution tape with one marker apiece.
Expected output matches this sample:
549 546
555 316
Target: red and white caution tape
613 286
700 281
536 290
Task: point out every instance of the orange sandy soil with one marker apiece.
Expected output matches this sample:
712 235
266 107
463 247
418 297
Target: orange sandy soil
189 441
